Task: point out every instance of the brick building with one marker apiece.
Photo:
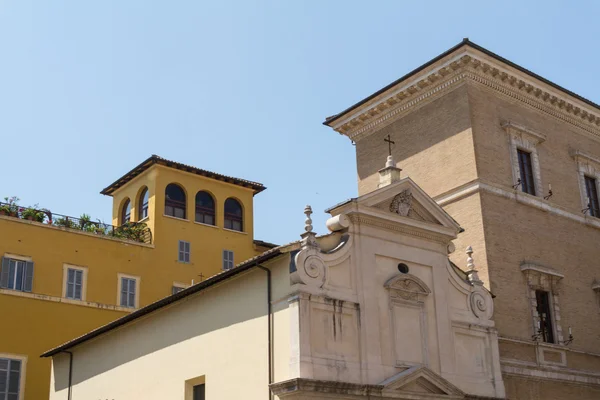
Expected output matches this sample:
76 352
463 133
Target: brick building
515 159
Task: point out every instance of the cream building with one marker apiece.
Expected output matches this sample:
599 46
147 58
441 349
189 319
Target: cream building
515 159
372 310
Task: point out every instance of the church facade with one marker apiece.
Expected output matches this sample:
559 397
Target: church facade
374 309
515 159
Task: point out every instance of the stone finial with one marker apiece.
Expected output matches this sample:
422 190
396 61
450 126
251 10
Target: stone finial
308 222
309 238
390 173
471 271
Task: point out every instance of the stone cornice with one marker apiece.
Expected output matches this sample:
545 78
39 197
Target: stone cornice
467 67
581 156
396 227
534 137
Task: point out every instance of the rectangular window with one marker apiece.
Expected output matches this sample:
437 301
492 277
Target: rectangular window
128 288
74 284
545 328
591 190
10 377
184 251
227 259
526 171
199 392
16 275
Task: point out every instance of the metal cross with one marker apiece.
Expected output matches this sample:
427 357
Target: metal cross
201 276
390 142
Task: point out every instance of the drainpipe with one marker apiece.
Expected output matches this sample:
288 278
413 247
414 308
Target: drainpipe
70 371
269 327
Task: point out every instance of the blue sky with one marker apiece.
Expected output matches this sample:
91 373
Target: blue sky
88 89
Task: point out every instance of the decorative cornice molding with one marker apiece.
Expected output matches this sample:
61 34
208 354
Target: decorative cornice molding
468 68
583 157
534 137
366 220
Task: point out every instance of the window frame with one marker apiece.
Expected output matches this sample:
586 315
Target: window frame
183 252
526 172
544 310
232 218
28 266
84 274
125 215
22 373
205 211
228 259
143 202
591 188
546 279
521 138
136 296
175 204
588 166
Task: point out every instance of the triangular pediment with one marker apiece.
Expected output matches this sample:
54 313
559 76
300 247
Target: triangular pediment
406 199
420 381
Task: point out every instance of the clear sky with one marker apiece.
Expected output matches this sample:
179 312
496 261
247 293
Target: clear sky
89 89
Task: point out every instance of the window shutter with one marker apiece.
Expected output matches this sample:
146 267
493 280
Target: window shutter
28 277
4 272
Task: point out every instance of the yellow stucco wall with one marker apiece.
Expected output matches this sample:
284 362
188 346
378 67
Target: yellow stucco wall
44 319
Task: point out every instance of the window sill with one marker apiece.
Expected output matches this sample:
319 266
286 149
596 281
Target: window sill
176 218
234 231
143 219
208 225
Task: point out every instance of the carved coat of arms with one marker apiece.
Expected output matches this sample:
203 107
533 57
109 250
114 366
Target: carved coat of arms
402 203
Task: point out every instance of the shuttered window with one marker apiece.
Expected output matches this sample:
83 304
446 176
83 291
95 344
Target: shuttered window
16 275
74 284
227 259
10 377
526 170
184 251
591 189
128 288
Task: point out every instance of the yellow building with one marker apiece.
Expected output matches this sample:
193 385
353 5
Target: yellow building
61 276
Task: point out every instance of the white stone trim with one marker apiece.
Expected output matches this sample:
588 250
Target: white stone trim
521 138
587 165
84 278
466 65
23 372
477 186
510 367
546 279
18 257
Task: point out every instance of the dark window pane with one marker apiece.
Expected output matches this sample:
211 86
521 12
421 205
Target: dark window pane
543 309
526 171
175 201
199 392
126 212
591 188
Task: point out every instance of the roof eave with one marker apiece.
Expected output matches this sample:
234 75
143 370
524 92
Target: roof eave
266 256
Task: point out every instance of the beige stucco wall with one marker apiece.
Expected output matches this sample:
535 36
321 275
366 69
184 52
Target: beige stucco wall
219 334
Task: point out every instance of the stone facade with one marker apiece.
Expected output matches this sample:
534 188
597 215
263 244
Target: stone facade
457 124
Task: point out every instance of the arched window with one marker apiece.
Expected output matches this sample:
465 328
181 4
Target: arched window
234 218
143 204
205 208
126 212
174 201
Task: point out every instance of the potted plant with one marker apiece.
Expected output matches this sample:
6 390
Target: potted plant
65 222
4 209
33 214
84 222
13 206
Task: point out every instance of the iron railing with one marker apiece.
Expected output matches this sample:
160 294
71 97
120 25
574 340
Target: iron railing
135 231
